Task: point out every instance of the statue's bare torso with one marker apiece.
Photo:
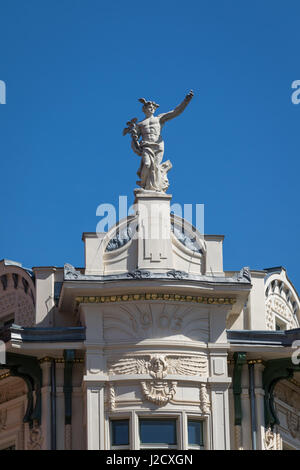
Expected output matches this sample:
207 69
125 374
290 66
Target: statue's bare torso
150 129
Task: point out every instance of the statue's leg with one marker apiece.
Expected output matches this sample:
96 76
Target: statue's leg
159 152
146 159
147 171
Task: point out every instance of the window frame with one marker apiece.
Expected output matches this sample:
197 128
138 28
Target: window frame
196 419
119 417
181 417
280 322
158 445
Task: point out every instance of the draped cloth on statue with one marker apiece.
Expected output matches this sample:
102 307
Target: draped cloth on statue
153 174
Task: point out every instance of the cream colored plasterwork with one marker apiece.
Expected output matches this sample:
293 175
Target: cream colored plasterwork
110 396
205 404
159 320
281 302
159 392
272 440
159 365
278 306
154 297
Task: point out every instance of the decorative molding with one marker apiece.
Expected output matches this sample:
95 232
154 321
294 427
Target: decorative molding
155 320
205 404
120 239
159 366
177 274
128 365
139 274
276 305
111 396
281 301
158 391
60 360
71 274
5 376
272 440
68 436
154 296
244 275
238 437
249 361
186 239
122 236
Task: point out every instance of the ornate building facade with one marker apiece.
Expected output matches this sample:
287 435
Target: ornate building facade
150 345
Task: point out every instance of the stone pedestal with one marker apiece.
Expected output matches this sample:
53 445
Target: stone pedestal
154 230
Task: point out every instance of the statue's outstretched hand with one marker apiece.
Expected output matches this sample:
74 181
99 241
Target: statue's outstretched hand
189 96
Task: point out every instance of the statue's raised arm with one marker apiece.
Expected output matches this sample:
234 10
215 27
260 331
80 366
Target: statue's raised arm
178 110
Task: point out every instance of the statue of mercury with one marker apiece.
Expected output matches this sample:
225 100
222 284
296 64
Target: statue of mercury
148 144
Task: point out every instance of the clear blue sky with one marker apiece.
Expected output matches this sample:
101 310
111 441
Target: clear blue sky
74 70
